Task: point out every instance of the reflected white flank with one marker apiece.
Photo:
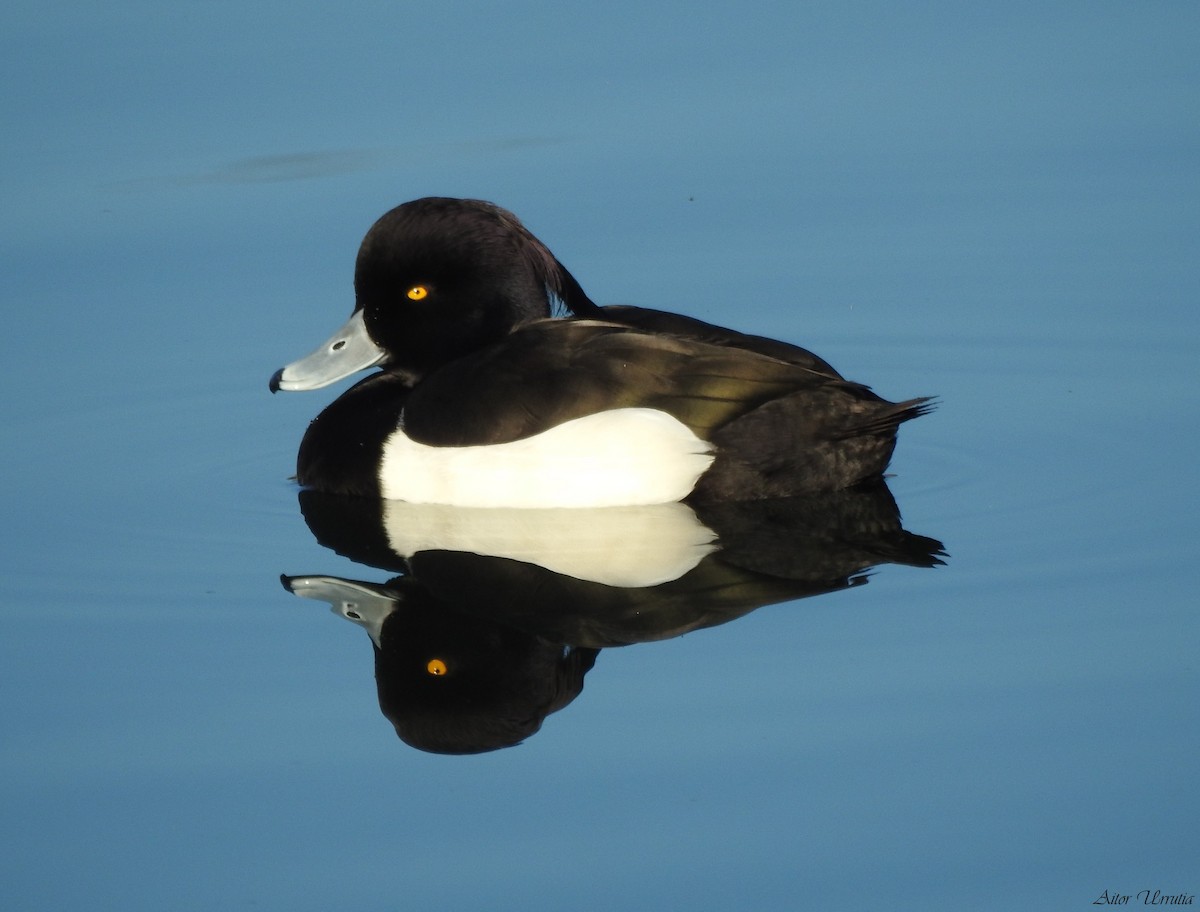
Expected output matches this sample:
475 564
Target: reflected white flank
629 547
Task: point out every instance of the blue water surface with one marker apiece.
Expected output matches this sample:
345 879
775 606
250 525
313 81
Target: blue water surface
997 205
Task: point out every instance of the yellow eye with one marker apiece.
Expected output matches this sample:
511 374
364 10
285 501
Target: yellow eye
418 293
436 667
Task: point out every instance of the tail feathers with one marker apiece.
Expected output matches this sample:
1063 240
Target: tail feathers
886 419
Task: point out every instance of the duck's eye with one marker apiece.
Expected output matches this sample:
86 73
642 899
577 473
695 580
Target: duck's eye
418 293
436 667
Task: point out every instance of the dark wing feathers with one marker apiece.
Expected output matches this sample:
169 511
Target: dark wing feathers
681 327
550 371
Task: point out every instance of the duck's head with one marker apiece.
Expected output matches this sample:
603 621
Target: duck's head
436 279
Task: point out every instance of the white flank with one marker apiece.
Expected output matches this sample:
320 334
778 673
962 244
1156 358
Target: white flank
629 547
624 457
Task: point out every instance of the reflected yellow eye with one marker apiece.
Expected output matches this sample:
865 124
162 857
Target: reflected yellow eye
436 667
418 293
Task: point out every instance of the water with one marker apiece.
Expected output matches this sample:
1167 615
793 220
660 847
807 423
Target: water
994 206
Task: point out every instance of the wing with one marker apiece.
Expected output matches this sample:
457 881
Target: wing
679 326
551 371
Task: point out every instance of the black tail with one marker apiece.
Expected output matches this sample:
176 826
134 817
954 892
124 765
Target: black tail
890 416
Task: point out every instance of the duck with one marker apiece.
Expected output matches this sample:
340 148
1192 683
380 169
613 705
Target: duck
500 383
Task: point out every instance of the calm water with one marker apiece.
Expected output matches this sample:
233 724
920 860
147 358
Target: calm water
997 207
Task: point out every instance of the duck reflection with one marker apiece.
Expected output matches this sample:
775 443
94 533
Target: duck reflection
496 616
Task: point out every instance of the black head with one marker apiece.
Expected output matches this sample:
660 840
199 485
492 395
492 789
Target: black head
438 278
452 682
